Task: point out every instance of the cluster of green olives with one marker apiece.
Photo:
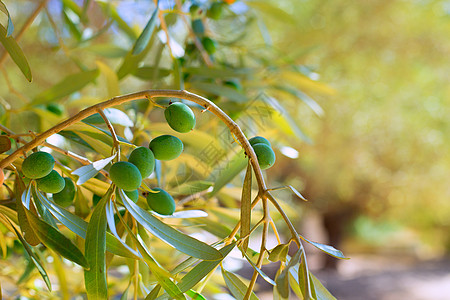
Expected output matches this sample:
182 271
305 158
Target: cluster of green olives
39 167
128 175
263 151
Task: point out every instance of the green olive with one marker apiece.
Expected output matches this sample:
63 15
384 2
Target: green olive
52 183
180 117
38 165
166 147
161 202
125 175
265 155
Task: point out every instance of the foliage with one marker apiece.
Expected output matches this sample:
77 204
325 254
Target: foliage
94 50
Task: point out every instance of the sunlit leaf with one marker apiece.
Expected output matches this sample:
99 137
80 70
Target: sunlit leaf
279 253
246 206
260 272
131 62
15 52
194 295
326 248
283 279
237 288
173 237
201 270
79 227
144 38
162 275
321 292
85 173
95 248
55 240
154 293
305 98
233 168
67 86
25 226
34 258
147 73
112 82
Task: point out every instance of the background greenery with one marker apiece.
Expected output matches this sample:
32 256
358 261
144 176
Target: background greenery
371 146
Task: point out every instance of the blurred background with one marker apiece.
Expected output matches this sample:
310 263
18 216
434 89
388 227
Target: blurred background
353 94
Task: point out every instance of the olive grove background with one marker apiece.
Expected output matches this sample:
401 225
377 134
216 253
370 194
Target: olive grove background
354 97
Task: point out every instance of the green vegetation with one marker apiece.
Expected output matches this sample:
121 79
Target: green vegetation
259 140
215 11
265 154
144 160
209 44
180 117
133 195
38 165
161 202
166 147
67 195
125 175
52 183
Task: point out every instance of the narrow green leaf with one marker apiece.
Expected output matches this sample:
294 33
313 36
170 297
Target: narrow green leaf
161 275
67 86
194 295
79 227
260 272
144 38
219 90
15 52
330 250
321 292
173 237
112 82
34 258
234 167
85 173
279 253
154 293
303 281
202 269
282 280
131 62
246 206
55 240
318 110
25 226
147 72
237 288
9 31
95 245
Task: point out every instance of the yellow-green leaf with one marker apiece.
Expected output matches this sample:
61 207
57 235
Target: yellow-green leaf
246 206
15 52
144 38
168 234
95 248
